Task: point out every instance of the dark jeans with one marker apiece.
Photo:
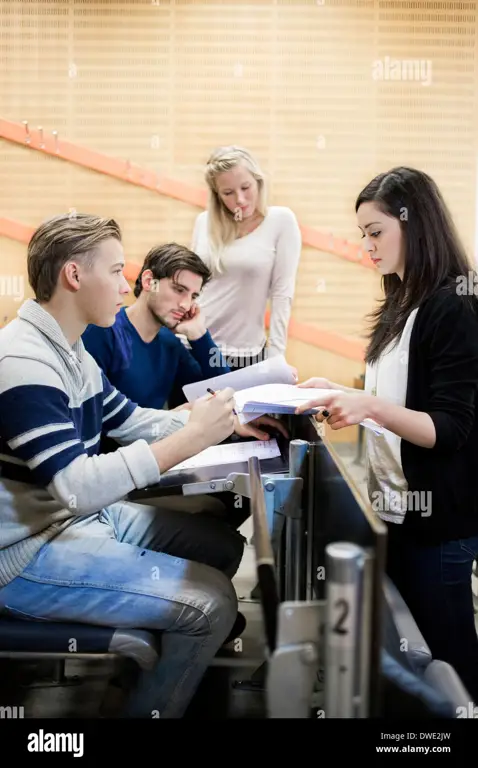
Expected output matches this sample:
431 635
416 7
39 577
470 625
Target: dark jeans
435 582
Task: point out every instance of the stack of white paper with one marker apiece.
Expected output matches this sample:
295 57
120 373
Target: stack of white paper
232 453
274 371
276 396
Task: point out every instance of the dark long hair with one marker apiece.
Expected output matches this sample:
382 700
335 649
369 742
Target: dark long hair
434 254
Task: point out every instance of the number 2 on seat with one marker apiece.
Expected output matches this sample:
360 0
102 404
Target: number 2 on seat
342 615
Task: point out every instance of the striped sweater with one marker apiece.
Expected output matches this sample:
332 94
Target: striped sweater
55 402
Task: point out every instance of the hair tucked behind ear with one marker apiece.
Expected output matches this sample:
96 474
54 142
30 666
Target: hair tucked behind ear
434 254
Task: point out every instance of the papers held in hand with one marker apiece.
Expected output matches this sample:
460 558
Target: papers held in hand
283 398
275 370
271 371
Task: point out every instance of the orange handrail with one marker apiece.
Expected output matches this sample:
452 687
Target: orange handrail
352 349
333 342
148 179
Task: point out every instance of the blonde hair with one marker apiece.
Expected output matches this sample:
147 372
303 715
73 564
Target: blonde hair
61 239
222 226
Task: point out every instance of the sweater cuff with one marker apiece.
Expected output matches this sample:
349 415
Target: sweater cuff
178 420
206 338
141 463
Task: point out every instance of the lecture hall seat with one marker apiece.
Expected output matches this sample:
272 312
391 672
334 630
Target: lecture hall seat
22 639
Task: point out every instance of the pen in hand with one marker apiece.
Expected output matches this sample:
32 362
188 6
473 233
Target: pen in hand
211 392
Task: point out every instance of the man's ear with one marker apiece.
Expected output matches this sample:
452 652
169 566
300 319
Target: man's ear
71 276
149 282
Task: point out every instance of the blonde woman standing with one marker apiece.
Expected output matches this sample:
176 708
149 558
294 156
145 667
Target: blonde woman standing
253 251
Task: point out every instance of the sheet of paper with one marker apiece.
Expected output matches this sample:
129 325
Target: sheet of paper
275 370
231 453
279 394
286 394
273 394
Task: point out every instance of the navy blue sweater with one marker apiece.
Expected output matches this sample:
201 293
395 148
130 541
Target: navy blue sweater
146 372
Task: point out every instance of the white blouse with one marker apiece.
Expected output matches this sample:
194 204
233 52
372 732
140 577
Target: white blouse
387 486
259 266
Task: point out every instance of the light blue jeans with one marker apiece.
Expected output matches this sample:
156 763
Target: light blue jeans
137 566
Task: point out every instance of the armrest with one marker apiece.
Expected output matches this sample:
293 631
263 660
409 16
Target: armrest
412 642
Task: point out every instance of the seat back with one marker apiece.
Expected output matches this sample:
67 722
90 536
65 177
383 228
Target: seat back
410 669
407 695
402 637
446 681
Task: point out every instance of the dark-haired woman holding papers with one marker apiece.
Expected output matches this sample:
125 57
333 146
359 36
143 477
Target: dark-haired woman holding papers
421 386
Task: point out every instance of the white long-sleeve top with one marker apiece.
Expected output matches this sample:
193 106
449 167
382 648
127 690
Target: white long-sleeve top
259 266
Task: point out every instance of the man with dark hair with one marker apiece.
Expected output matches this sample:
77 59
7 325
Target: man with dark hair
142 354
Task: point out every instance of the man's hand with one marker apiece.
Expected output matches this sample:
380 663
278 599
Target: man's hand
212 418
192 325
252 428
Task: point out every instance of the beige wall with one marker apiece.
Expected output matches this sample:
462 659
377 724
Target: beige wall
162 83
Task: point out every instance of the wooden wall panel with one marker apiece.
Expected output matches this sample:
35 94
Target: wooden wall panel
161 83
14 287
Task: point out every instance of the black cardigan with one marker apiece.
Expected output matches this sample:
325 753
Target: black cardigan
443 382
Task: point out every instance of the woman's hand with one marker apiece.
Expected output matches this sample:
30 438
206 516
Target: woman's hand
344 409
341 409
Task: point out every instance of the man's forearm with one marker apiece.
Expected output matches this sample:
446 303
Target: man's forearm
178 447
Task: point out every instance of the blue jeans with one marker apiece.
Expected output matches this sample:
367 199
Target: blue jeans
435 582
136 566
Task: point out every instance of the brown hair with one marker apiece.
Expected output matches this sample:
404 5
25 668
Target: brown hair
166 260
61 239
435 257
